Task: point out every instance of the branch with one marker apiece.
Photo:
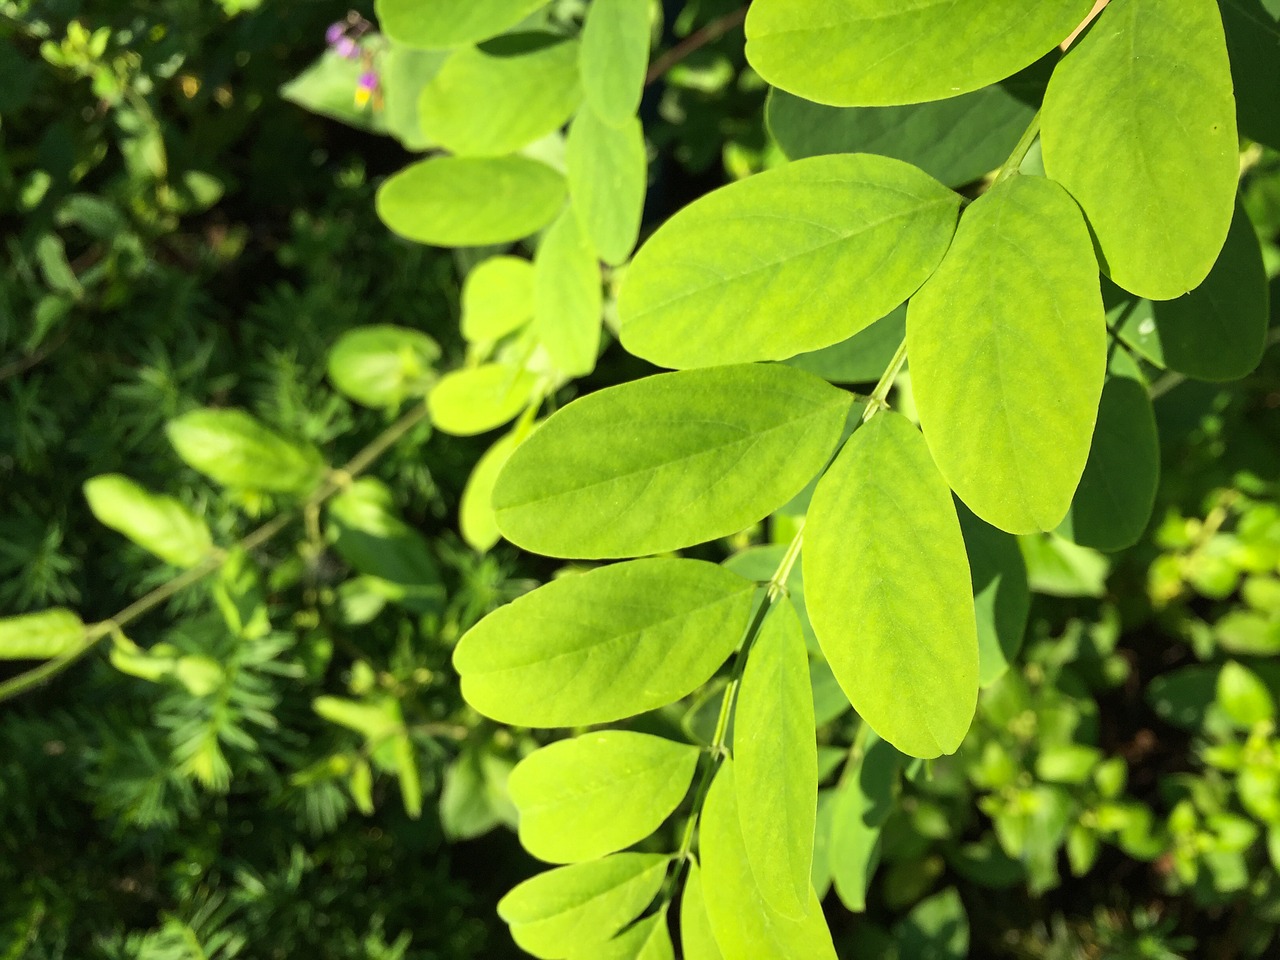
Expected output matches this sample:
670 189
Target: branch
695 41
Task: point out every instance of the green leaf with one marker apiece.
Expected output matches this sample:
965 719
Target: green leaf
787 261
907 657
497 298
936 929
1008 349
567 301
595 794
668 461
744 925
450 23
1243 696
697 942
1113 503
473 799
1139 123
159 524
233 449
607 169
1253 36
490 101
328 87
649 939
476 518
861 358
367 532
860 53
1060 568
863 802
382 365
1216 332
615 55
40 636
470 201
777 763
478 399
1001 593
570 908
402 74
955 140
604 645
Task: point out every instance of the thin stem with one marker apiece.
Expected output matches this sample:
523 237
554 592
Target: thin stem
334 482
774 589
695 41
879 396
1010 166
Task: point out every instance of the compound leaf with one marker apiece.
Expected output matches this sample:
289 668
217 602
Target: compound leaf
887 589
1007 343
787 261
604 645
668 461
1139 123
595 794
864 54
776 758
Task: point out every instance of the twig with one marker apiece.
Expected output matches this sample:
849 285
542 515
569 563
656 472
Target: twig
695 41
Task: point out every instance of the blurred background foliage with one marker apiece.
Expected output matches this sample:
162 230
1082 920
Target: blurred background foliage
180 233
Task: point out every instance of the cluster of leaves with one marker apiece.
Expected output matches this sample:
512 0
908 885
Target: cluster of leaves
807 673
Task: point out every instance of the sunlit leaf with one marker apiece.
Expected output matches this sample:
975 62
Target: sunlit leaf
39 636
478 399
161 525
604 645
233 449
566 296
615 53
607 168
887 589
450 23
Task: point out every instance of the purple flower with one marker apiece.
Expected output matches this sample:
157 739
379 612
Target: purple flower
366 86
336 32
347 48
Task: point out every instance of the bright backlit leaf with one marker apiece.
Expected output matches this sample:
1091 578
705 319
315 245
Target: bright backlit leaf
566 296
604 645
649 939
476 520
860 53
159 524
1139 124
382 365
570 908
744 925
233 449
497 298
668 461
486 102
887 589
40 636
777 763
615 55
786 261
607 169
697 942
1113 503
478 399
438 24
1007 343
470 201
595 794
1216 332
